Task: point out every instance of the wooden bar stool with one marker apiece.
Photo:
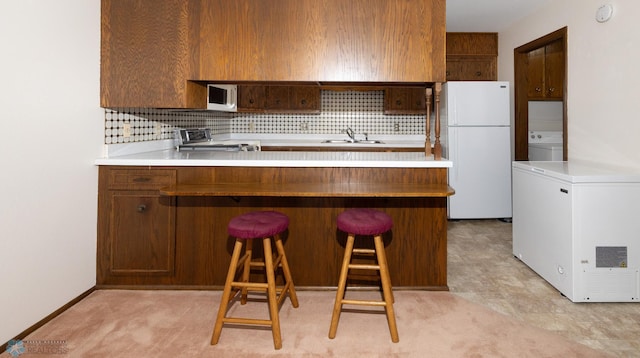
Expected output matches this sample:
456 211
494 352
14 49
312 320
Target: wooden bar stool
365 222
245 228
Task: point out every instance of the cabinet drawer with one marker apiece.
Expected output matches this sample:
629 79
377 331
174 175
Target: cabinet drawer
141 179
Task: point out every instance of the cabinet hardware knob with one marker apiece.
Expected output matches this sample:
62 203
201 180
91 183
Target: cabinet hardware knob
304 101
478 73
551 89
142 208
398 102
538 89
251 101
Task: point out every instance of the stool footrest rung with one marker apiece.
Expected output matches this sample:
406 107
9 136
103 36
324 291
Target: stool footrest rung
364 251
262 322
364 267
253 285
364 302
276 262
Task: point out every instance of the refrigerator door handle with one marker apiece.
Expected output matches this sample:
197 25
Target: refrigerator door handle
453 152
453 111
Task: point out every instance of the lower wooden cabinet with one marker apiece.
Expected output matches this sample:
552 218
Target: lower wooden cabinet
142 233
146 240
136 239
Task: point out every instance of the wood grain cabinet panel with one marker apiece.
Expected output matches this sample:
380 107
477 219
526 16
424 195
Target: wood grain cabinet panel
472 43
251 98
161 54
279 98
183 242
137 227
545 72
146 55
471 69
142 234
322 41
405 100
472 56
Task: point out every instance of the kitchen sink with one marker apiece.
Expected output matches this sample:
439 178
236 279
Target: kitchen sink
346 141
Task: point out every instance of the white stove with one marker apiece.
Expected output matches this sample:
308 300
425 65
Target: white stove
545 146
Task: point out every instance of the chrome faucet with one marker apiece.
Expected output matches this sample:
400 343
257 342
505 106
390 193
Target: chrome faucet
351 134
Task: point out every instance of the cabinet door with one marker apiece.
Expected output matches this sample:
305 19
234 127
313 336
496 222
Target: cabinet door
554 70
471 69
136 226
472 43
142 233
277 97
405 100
535 73
305 99
145 52
251 98
322 41
545 72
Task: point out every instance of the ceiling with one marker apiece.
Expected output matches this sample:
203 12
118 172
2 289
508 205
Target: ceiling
487 15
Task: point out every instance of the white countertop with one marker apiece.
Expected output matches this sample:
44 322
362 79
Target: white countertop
162 153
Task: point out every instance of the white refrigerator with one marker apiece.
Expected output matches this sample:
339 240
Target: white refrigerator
476 137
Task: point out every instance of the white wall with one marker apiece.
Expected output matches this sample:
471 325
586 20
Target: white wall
603 75
51 134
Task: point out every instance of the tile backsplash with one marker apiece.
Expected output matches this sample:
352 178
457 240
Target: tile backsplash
360 110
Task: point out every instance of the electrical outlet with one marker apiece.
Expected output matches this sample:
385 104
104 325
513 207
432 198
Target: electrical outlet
158 129
126 130
252 126
304 126
396 127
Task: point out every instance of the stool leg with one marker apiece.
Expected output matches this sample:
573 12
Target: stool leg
287 273
386 287
226 293
342 283
246 270
272 294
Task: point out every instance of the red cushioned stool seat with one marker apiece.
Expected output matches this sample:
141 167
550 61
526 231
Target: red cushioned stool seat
365 222
258 224
267 226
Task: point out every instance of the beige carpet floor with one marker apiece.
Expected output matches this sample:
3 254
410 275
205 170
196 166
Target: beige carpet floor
120 323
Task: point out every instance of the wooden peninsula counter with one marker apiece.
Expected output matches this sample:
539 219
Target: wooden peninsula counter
162 216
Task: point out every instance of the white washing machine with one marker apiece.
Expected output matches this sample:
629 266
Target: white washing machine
545 146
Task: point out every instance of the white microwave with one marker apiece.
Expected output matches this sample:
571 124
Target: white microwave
222 97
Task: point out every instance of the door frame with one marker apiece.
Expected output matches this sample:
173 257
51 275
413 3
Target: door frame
521 120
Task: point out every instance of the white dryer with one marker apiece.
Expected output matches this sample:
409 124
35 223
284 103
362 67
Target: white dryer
545 146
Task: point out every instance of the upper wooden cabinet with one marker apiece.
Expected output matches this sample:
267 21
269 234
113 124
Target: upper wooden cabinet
472 56
162 53
146 55
322 41
405 100
545 72
279 98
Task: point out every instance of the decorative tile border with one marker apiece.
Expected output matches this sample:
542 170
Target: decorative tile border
361 111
